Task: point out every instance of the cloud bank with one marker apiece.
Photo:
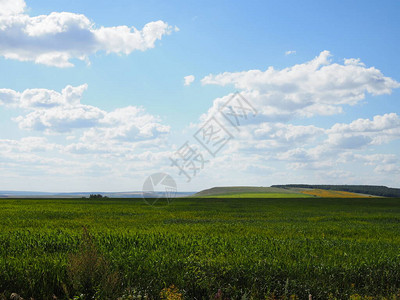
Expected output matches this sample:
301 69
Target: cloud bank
70 138
275 143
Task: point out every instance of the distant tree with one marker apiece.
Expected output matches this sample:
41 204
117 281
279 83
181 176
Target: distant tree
97 196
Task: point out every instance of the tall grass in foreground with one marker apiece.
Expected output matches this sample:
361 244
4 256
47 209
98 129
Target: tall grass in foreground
201 248
90 273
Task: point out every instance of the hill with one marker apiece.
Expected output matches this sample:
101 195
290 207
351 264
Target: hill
249 192
375 190
282 191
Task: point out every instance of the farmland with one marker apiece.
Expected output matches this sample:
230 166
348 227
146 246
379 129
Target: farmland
331 194
261 195
208 248
273 192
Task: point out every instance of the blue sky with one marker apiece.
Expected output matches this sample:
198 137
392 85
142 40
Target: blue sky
124 64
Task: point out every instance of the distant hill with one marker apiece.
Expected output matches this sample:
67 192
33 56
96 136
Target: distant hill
375 190
247 191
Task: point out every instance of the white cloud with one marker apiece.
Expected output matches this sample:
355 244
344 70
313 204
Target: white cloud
42 98
188 80
379 123
53 112
341 146
8 7
127 124
57 38
354 62
128 143
317 87
26 144
361 132
337 151
371 159
61 119
121 143
8 97
388 169
286 132
341 140
289 52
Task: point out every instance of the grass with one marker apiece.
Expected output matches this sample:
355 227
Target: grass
209 248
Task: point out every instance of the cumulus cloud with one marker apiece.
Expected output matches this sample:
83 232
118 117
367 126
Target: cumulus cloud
286 132
316 87
361 132
59 37
289 52
309 150
49 111
61 119
10 8
124 142
127 124
392 169
342 143
371 159
188 80
8 97
129 140
26 144
270 138
42 98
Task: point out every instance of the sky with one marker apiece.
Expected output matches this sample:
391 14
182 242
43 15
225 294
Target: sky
99 95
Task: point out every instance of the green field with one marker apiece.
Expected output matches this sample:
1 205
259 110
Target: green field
207 248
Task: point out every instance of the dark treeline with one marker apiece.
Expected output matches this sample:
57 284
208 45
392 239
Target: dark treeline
375 190
97 196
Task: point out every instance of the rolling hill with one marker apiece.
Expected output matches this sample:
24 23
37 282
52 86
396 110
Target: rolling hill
276 192
376 190
249 192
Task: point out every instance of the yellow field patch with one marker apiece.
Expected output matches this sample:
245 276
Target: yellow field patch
332 194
